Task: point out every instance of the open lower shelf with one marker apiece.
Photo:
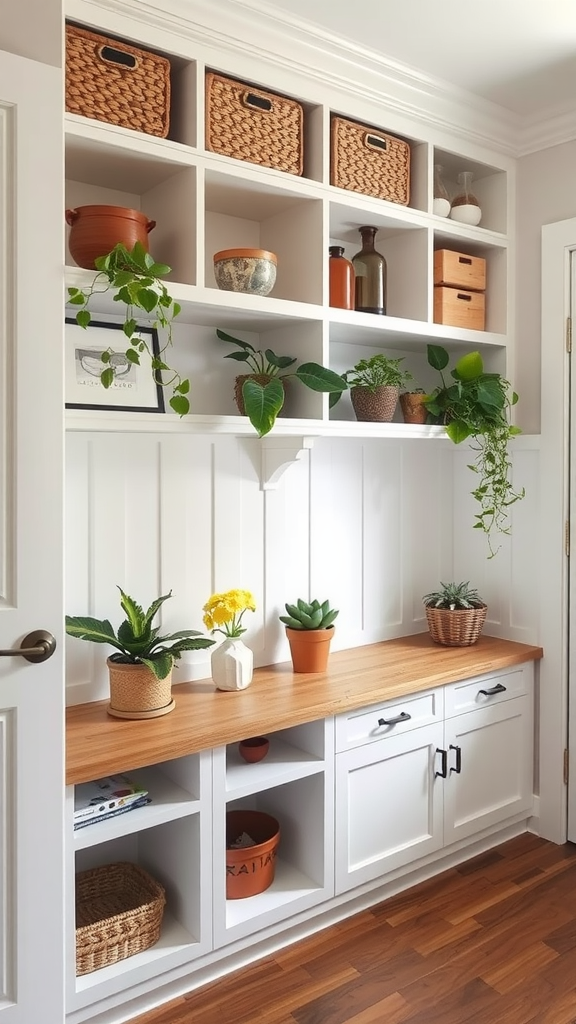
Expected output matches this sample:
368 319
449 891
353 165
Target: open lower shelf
174 941
283 763
169 801
290 886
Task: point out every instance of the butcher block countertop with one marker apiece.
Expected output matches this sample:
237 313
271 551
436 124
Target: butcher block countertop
277 698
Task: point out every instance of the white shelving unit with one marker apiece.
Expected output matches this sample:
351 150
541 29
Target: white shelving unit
203 202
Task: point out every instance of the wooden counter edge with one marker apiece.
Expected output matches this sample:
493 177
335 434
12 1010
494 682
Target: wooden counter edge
98 745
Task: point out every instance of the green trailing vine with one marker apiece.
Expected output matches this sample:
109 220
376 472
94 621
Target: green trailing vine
476 405
135 277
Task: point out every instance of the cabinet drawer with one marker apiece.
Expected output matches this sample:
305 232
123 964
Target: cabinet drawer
391 718
483 691
457 307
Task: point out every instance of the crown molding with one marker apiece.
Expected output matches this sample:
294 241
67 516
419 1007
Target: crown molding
255 30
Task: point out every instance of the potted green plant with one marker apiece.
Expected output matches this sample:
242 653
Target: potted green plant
455 614
260 394
135 278
140 670
413 406
474 404
374 387
309 628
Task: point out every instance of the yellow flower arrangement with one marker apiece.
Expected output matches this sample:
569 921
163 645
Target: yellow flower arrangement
223 612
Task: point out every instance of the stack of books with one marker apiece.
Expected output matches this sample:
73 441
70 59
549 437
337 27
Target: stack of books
105 798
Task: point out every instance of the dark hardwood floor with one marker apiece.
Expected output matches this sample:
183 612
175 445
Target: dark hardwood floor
492 941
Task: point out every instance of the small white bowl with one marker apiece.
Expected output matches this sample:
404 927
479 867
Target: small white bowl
469 213
245 270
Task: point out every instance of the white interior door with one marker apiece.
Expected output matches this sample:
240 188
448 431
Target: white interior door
31 441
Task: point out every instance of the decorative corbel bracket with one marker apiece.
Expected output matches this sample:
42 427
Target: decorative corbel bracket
277 453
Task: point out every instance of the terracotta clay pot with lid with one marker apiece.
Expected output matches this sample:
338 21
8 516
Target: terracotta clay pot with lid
95 230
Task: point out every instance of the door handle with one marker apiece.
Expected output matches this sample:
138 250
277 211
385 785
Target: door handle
36 646
458 766
443 773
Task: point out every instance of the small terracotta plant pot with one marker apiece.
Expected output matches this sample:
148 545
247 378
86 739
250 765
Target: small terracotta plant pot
254 749
310 648
95 230
378 405
250 869
413 408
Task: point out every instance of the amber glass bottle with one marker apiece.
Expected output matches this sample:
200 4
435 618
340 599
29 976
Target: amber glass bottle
370 270
341 273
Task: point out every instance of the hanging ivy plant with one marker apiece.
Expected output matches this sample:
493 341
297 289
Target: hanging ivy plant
476 405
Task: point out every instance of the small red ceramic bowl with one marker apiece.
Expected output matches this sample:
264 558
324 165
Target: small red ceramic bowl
253 749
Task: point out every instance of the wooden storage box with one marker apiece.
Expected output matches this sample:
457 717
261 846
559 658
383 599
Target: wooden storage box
115 82
457 307
250 124
458 270
367 160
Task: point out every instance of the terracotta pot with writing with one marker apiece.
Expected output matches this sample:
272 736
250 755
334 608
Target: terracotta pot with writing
250 869
95 230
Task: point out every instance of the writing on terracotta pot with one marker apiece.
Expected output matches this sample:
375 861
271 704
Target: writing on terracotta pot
252 866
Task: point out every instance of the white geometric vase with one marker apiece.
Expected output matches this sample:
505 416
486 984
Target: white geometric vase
232 665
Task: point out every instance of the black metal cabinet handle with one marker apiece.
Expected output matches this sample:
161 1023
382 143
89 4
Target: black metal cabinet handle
458 766
444 772
499 688
402 717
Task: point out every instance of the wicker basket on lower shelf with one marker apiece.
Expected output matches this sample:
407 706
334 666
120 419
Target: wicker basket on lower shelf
458 628
119 911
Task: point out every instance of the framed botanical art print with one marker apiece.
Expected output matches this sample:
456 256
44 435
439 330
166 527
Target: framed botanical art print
133 388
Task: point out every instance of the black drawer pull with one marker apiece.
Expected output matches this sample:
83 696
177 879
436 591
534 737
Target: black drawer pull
442 774
458 766
499 688
402 717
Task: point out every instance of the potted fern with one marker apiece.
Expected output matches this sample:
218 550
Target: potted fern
309 628
140 669
455 614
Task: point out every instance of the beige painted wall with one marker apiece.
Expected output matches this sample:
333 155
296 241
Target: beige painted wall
33 29
546 192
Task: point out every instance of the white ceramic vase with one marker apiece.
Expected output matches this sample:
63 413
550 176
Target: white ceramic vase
232 665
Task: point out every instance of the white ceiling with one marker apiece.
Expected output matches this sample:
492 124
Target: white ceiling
520 54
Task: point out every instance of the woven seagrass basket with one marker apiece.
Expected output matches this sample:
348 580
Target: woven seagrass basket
119 910
135 692
458 628
253 125
115 82
367 160
376 405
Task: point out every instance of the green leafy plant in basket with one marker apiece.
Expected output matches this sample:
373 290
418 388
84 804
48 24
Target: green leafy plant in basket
260 394
135 278
472 404
136 641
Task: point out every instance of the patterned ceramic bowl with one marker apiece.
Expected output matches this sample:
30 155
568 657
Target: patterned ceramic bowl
245 270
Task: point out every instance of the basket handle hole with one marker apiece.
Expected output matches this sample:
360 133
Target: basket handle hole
251 99
375 142
113 56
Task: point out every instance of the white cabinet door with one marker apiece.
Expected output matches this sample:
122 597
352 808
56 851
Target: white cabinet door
388 805
489 767
31 415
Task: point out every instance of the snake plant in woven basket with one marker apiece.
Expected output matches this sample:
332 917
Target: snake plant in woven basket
455 614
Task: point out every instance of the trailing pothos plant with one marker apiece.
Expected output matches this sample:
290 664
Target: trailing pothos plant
135 277
472 404
263 393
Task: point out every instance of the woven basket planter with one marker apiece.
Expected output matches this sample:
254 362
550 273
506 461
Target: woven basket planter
458 628
135 692
260 378
374 405
119 910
